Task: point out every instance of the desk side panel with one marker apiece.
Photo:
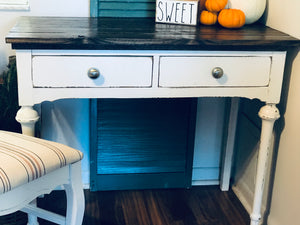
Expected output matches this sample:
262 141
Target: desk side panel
25 88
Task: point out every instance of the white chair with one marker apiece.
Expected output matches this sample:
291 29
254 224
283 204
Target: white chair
30 167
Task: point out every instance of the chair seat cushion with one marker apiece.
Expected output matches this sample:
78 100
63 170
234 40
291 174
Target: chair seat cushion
24 158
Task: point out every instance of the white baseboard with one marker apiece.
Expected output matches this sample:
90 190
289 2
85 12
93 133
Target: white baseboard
205 182
245 197
86 186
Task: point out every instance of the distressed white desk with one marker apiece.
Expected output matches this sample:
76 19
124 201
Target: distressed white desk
136 58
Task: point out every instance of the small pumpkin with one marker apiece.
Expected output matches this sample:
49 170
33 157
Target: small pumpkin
215 5
208 18
231 18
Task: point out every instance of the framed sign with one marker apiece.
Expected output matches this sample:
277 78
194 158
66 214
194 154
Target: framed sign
176 12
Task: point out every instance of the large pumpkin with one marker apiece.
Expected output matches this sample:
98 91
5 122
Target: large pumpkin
253 9
231 18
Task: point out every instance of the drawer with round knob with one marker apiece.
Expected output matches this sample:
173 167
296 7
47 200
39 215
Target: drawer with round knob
92 71
213 71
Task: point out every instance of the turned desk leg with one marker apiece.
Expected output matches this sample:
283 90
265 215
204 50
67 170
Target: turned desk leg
269 114
27 117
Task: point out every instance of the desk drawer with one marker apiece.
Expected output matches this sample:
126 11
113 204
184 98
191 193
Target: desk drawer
197 71
72 71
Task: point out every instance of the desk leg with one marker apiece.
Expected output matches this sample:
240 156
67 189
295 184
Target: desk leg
269 114
27 117
229 147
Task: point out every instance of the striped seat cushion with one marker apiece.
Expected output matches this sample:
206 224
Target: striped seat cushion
24 158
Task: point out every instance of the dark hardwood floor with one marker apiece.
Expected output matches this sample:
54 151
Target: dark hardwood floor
203 205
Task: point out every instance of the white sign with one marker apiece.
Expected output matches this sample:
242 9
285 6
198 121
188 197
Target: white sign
178 12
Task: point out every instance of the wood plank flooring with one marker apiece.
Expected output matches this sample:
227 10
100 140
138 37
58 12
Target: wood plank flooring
203 205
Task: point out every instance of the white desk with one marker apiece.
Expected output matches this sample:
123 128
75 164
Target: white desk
138 59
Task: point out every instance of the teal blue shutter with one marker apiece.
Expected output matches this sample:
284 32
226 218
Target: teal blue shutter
122 8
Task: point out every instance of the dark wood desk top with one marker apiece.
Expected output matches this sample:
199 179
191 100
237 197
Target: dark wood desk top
140 34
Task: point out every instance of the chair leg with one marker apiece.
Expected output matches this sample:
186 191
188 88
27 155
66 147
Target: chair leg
32 219
75 196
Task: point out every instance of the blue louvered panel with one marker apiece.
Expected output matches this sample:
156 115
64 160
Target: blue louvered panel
123 8
142 136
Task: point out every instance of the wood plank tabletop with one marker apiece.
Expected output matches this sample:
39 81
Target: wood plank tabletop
140 34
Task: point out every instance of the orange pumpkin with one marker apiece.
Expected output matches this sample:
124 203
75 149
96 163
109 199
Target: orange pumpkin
208 18
231 18
215 5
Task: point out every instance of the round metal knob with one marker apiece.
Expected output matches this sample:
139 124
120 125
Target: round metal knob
217 72
93 73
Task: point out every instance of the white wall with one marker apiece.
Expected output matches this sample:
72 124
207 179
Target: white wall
284 192
208 141
285 200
